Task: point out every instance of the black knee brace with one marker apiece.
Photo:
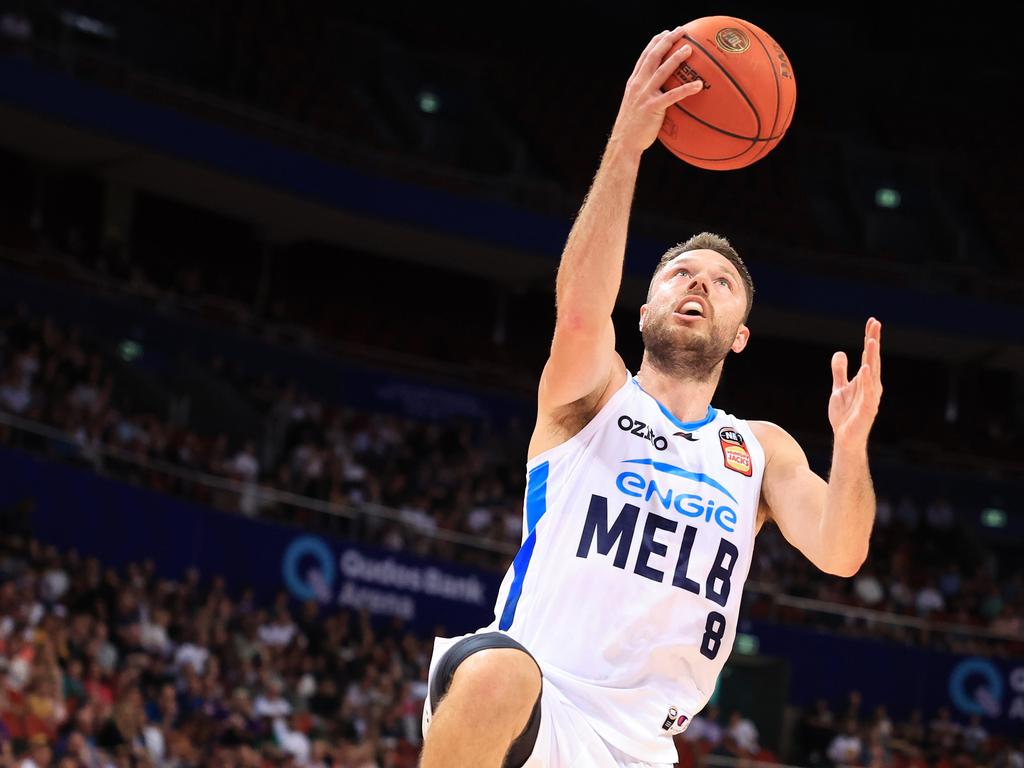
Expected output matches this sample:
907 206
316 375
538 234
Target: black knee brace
520 750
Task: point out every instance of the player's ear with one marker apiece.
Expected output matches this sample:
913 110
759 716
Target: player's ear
742 337
643 311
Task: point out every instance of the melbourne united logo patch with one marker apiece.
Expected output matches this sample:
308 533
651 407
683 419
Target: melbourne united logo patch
737 457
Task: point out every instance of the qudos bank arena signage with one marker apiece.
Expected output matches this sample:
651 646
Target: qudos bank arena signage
386 584
980 686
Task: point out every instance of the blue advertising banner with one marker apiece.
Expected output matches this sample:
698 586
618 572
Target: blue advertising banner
425 594
903 678
120 523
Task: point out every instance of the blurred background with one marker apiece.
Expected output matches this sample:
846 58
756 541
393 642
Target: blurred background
276 288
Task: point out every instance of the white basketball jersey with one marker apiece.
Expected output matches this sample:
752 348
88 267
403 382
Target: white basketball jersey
637 541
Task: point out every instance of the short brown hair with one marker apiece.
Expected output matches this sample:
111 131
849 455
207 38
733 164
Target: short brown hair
710 242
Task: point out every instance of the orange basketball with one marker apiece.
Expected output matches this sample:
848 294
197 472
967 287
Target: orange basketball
748 98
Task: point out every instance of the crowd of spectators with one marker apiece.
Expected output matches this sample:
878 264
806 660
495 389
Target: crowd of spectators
101 667
849 734
924 563
738 738
459 477
448 476
106 668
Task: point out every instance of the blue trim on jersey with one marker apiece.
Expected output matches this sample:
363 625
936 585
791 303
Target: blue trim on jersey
536 506
685 426
536 495
519 565
671 469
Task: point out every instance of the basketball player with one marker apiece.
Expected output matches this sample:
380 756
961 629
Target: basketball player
642 500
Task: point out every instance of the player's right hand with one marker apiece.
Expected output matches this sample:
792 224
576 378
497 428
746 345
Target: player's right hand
643 105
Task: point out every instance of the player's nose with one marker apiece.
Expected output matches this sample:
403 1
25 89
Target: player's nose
699 281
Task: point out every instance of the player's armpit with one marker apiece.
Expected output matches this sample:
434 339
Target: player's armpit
796 498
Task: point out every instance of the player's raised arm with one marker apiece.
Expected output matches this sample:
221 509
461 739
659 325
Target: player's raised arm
583 355
830 522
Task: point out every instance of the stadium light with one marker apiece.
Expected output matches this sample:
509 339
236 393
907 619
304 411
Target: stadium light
886 197
129 350
429 102
993 518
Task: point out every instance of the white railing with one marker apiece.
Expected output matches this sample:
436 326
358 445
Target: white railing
363 511
882 617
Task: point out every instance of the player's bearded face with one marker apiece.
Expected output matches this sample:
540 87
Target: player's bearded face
694 315
688 350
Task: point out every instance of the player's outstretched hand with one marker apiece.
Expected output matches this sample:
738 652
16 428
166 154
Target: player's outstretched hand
643 105
854 404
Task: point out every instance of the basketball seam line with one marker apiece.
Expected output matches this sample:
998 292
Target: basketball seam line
778 89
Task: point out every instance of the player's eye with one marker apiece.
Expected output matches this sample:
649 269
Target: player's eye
724 281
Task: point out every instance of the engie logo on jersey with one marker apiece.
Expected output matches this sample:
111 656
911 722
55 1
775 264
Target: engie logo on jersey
640 429
737 457
674 723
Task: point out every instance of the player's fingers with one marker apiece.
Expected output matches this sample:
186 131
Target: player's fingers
656 55
870 350
679 93
646 52
670 65
871 391
839 371
877 364
873 360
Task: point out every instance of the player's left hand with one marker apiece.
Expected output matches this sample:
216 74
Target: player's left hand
854 404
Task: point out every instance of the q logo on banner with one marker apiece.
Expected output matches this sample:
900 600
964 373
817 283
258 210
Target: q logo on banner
314 583
984 699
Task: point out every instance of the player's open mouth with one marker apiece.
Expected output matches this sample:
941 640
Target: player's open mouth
691 308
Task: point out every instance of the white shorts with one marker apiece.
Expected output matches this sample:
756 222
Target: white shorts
565 738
